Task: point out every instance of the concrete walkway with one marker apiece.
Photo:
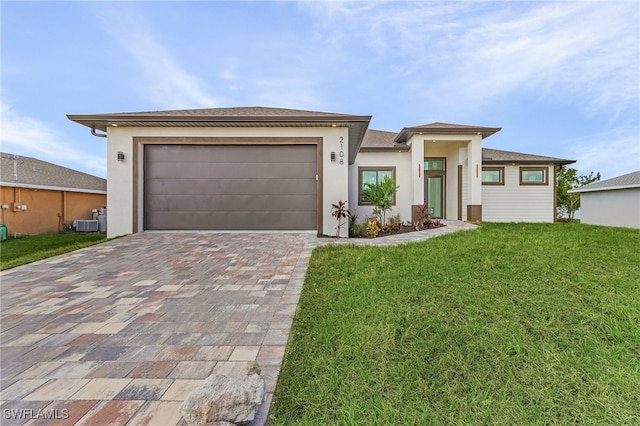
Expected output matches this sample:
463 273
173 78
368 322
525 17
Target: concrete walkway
121 333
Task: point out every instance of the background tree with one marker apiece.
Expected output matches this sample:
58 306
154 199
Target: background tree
568 179
380 195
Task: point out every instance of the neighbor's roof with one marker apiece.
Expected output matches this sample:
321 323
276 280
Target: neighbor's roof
256 116
496 156
630 180
439 128
26 172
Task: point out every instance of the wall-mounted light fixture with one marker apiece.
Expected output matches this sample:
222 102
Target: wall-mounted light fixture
333 156
120 156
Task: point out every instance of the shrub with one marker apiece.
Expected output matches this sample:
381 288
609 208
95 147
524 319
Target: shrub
340 212
372 228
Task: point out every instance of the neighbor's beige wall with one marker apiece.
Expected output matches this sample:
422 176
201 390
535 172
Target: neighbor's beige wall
46 210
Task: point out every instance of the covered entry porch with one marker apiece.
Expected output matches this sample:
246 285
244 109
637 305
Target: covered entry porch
447 164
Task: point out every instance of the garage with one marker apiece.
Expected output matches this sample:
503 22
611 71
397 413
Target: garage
230 187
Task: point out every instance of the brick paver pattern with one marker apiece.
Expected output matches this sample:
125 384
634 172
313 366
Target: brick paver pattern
122 332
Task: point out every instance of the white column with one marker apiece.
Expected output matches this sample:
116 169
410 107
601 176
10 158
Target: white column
474 178
417 172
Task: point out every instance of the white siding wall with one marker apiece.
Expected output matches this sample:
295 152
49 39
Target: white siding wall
619 207
120 173
513 202
402 162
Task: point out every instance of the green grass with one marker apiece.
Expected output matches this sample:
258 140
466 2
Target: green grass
27 249
514 324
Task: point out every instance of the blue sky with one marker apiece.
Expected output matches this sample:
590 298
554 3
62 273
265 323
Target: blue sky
561 78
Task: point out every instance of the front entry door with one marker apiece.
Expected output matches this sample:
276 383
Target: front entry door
434 195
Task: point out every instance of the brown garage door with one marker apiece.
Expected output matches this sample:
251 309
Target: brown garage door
230 187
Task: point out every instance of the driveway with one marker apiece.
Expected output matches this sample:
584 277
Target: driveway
124 331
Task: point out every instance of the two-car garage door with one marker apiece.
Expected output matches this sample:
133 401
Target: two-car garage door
230 187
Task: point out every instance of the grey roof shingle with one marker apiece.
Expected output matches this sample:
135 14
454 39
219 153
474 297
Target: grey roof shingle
445 128
629 180
208 117
377 140
33 173
253 111
497 156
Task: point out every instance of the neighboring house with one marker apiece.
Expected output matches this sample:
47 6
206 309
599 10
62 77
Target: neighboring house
611 202
256 168
37 197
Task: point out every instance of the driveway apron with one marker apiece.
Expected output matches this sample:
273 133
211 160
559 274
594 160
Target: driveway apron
122 332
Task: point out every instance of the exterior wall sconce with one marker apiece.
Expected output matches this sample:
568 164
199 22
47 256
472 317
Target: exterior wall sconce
333 156
120 156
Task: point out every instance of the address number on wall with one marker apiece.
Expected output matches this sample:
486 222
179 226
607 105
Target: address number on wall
341 151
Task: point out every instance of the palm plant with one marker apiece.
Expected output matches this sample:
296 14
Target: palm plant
380 195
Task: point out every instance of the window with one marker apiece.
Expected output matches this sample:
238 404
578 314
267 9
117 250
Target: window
433 164
493 175
533 176
373 175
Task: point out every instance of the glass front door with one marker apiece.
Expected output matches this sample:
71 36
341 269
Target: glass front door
433 195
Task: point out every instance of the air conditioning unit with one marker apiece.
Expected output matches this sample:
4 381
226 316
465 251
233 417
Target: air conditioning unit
86 225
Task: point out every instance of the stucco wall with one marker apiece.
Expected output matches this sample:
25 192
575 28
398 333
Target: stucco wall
619 207
459 150
402 162
410 176
513 202
120 173
456 154
46 210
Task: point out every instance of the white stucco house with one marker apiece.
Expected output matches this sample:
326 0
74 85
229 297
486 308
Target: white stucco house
611 202
257 168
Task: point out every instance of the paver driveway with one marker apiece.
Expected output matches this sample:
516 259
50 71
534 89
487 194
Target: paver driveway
123 331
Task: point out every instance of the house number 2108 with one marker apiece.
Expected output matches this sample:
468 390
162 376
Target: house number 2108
341 152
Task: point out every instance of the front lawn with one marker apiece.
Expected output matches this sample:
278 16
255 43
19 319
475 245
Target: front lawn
507 324
27 249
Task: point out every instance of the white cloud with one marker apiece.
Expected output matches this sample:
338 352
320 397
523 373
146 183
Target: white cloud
479 51
612 154
165 82
557 50
28 136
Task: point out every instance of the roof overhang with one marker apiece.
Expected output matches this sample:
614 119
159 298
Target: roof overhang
408 132
52 188
401 147
356 124
559 162
606 188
